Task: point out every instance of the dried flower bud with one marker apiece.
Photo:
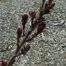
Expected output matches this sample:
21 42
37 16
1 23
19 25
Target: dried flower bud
24 19
19 32
25 49
40 27
50 2
32 14
4 63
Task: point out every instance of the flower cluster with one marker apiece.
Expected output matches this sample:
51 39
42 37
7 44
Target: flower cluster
23 45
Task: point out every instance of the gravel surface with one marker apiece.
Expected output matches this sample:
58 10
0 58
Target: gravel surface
49 48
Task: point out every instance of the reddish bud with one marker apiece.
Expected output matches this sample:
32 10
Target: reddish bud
50 2
25 49
40 27
32 14
4 63
24 19
19 32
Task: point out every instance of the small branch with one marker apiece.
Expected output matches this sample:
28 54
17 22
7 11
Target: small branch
37 24
17 51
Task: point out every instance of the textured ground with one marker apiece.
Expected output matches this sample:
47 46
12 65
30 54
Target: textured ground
49 48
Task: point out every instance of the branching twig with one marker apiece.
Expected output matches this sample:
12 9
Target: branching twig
22 48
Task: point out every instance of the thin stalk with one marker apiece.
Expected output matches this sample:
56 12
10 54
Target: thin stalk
22 43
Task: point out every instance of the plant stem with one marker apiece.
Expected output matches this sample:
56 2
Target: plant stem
12 60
